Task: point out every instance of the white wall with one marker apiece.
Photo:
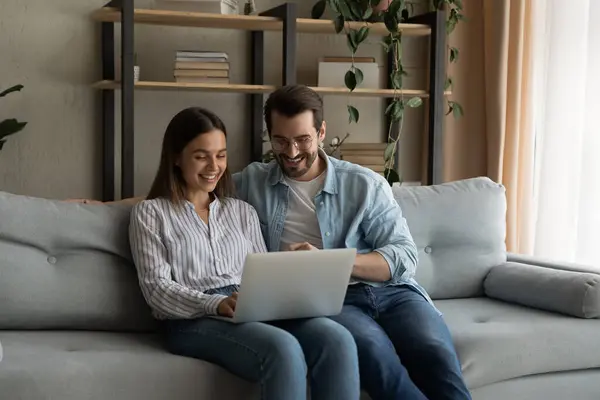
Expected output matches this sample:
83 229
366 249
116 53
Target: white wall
53 48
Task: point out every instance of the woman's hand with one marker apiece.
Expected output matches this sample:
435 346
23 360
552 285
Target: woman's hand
227 306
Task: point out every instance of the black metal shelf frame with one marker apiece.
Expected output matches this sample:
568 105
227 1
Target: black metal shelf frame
288 14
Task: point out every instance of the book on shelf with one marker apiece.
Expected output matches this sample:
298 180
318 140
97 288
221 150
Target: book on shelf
201 55
194 66
198 79
202 73
368 155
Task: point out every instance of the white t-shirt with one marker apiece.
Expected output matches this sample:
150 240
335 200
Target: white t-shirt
301 224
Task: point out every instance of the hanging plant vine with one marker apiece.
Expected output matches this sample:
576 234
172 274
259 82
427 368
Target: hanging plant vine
397 11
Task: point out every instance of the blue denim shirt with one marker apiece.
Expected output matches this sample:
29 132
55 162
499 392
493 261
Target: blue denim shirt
355 209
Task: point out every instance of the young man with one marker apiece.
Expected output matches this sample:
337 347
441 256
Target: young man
309 201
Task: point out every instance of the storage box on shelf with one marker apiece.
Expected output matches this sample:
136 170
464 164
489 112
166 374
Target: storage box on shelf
279 19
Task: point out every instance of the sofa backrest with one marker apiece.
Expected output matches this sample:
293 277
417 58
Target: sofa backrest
67 266
459 228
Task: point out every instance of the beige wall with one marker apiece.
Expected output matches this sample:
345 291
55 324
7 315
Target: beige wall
52 47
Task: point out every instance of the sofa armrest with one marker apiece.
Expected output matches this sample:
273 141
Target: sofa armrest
564 290
553 264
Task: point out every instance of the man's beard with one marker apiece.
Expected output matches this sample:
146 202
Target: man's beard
305 161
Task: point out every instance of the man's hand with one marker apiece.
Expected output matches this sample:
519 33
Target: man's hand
227 306
84 201
302 246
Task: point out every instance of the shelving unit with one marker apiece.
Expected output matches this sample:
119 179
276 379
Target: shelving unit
279 19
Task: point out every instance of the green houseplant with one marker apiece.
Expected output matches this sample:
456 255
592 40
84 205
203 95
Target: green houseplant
10 126
391 13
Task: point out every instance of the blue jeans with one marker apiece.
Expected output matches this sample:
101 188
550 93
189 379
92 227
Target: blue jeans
276 355
404 347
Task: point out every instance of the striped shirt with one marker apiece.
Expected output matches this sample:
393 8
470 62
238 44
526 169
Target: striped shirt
178 256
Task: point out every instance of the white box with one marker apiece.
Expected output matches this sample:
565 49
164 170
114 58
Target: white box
227 7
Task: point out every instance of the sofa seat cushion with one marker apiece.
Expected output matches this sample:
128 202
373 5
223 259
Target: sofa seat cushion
102 365
498 341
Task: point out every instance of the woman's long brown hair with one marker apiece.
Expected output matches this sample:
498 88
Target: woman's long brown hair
183 128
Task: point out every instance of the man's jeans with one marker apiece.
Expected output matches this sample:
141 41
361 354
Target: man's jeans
275 355
404 347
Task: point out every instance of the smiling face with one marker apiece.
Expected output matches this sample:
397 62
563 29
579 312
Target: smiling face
295 143
203 161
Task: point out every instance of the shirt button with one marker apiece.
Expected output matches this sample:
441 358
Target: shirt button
322 203
327 233
428 249
52 260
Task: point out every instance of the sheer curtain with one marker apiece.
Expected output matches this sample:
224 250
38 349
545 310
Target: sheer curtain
566 90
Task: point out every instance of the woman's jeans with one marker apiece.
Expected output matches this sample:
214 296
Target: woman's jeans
276 355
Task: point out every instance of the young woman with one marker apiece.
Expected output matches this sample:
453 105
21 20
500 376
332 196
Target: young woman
189 239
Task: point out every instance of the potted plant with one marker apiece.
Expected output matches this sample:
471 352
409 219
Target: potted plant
10 126
391 13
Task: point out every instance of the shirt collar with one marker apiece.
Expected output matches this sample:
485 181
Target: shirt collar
329 186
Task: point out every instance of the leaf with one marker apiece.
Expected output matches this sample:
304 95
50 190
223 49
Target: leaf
10 126
391 176
397 111
356 11
358 74
458 4
389 151
362 35
397 79
387 43
389 108
391 23
453 54
339 23
414 102
318 9
16 88
351 41
457 110
375 3
344 9
450 25
395 7
367 14
449 83
350 80
333 4
353 114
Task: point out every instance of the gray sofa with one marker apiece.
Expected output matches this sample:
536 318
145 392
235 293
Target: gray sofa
73 324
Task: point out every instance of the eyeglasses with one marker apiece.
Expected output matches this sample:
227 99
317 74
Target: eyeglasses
282 144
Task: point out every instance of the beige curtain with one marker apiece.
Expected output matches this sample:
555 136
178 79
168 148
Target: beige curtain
493 82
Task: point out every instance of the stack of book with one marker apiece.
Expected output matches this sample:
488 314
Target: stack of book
369 155
201 67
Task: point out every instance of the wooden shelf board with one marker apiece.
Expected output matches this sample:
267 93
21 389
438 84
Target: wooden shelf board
243 22
244 88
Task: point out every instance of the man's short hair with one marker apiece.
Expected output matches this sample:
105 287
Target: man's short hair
292 100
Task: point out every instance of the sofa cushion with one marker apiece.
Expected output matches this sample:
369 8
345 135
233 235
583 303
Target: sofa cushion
67 266
459 229
103 365
569 292
498 341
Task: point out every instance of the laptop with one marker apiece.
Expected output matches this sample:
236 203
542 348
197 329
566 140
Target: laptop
293 284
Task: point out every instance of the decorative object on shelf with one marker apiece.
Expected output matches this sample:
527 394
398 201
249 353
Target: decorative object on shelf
10 126
391 13
136 69
249 7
